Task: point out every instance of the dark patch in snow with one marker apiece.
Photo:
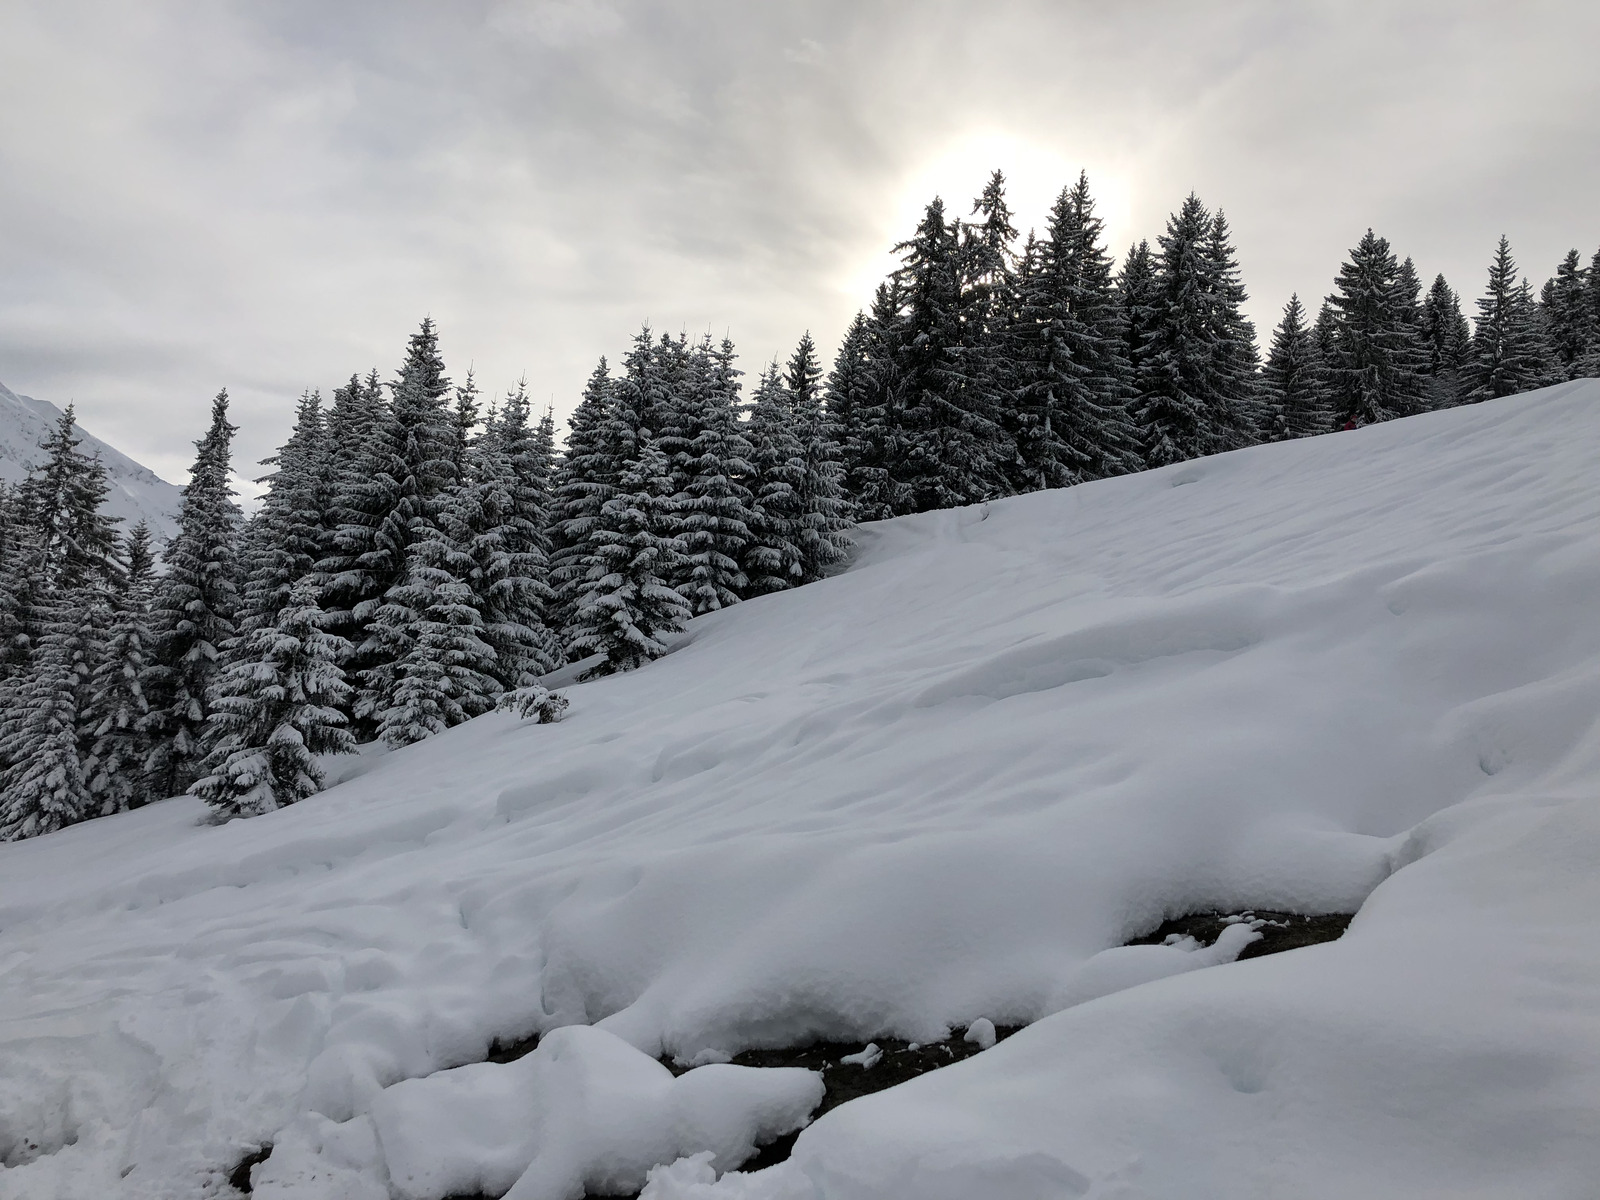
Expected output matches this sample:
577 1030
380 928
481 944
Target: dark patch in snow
504 1052
239 1177
1279 930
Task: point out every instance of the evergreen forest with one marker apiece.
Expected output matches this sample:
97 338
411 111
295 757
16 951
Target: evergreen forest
424 555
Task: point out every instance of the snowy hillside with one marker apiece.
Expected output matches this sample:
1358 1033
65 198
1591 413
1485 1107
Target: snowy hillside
1354 671
136 491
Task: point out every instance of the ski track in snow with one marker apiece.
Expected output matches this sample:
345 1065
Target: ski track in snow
1355 670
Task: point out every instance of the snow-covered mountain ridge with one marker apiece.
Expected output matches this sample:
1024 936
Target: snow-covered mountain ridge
136 491
1360 670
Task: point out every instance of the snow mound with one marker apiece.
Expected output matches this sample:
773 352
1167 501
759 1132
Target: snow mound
584 1112
1356 671
137 493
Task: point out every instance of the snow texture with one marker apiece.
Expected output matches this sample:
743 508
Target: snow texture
136 491
1360 670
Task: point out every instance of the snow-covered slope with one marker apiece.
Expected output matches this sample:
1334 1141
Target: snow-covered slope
1358 670
136 491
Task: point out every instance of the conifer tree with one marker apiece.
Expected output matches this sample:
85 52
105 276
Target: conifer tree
44 786
846 397
1236 362
1066 356
1509 351
585 480
277 707
192 612
1569 317
446 676
1446 339
773 558
1188 404
629 608
354 508
713 502
497 517
951 442
822 511
1374 370
1136 300
1291 378
412 467
286 539
879 441
117 708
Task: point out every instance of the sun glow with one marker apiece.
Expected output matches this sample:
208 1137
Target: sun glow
958 170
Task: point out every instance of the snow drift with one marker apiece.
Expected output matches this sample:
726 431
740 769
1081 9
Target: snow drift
1361 670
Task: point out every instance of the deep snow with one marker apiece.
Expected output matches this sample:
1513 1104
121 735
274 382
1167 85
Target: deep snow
1357 670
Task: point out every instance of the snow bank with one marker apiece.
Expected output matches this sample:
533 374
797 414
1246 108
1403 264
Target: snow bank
948 784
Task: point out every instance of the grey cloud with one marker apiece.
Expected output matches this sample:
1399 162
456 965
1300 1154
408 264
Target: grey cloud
270 196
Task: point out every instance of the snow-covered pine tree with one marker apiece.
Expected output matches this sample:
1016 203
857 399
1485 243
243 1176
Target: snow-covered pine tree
585 479
287 537
1569 318
1136 299
73 542
1446 340
773 559
845 398
629 609
465 415
1066 356
952 445
1292 378
1375 368
15 583
1176 410
1509 350
117 708
355 426
714 505
498 515
447 674
822 519
276 708
192 612
878 443
44 786
1236 361
412 467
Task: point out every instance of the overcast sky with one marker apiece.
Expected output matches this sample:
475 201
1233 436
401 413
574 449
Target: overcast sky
269 196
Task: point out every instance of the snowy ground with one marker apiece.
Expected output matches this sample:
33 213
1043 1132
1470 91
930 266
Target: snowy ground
1359 670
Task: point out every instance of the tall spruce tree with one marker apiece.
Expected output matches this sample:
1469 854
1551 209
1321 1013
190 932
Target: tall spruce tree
1446 339
117 708
773 558
1068 367
822 516
1374 370
713 502
1569 317
1292 380
277 707
630 609
1509 350
44 786
585 480
193 611
287 537
1193 391
498 516
1236 361
411 468
952 445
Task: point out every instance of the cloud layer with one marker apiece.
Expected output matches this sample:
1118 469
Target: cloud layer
198 193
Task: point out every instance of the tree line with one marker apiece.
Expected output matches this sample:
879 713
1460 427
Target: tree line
417 561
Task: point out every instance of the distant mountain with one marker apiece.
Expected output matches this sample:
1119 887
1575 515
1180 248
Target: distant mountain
136 491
